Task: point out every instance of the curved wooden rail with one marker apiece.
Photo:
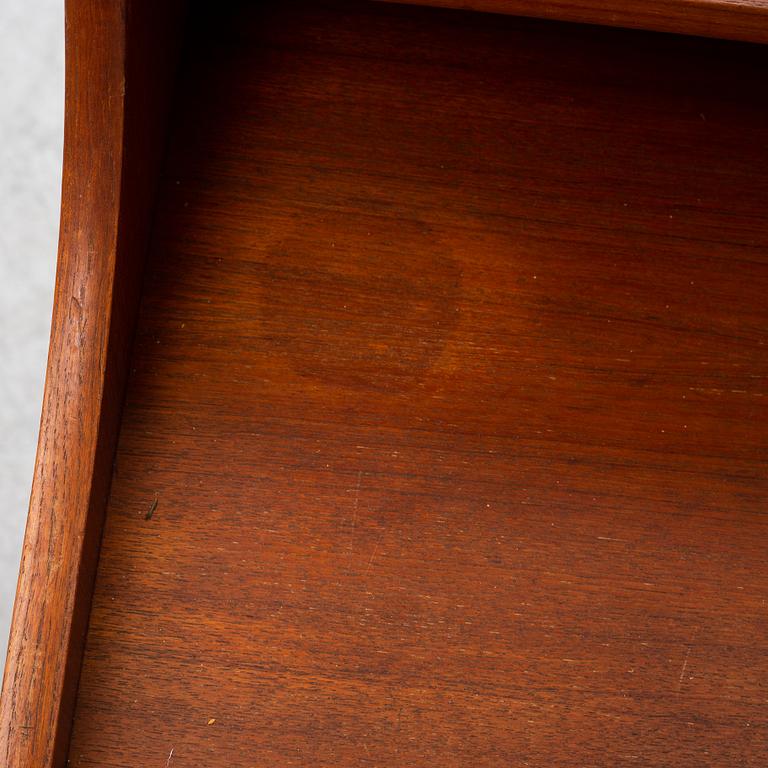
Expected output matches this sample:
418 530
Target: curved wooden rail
116 61
730 19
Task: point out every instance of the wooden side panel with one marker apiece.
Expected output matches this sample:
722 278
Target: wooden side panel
730 19
115 74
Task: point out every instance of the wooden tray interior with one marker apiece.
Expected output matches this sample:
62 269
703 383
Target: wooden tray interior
445 436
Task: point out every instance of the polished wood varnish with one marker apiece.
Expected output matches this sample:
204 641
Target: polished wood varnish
445 440
450 392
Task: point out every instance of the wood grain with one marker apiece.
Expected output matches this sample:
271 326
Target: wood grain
448 401
730 19
112 141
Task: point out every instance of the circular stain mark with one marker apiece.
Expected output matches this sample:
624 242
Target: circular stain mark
371 307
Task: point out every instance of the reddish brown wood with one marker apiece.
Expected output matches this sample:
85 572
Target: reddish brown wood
449 403
114 100
730 19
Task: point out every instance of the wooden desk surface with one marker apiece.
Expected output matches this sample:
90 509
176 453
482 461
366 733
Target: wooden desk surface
446 431
445 440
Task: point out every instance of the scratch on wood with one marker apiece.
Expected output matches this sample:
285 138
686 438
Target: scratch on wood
682 671
370 562
80 319
357 491
354 511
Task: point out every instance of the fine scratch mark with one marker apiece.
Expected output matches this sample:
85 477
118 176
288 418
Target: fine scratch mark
151 510
682 671
80 319
354 512
370 562
170 757
357 490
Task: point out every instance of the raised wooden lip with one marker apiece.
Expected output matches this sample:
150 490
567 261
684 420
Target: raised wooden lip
116 68
745 20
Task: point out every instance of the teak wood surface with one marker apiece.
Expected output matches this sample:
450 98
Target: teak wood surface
445 435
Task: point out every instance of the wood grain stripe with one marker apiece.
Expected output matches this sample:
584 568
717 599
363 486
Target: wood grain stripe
730 19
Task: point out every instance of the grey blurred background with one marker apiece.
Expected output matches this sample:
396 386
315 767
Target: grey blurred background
31 126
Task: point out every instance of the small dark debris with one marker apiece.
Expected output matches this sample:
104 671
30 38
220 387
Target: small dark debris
151 510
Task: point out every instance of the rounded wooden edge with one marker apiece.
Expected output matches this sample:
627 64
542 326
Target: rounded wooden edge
61 504
745 20
118 56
